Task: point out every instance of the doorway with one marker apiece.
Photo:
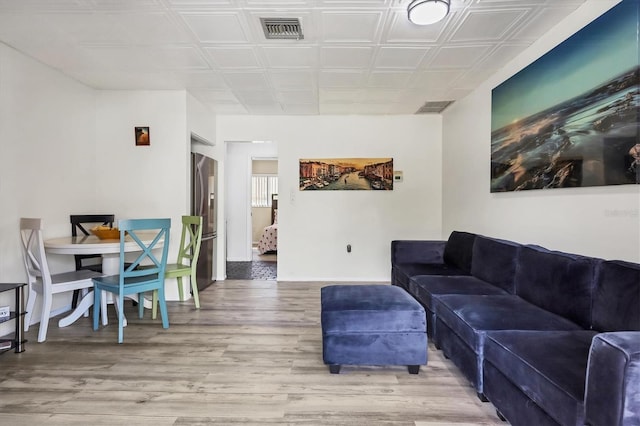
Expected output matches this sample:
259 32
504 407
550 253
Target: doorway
252 177
264 224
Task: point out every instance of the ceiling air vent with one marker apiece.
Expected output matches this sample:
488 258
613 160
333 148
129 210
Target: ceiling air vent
433 107
282 28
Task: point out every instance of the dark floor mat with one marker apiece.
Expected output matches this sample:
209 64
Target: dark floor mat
255 270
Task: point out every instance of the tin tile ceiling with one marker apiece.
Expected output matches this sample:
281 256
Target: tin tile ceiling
356 57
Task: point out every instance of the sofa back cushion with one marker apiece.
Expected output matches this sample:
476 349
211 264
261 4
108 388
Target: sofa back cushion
561 283
616 297
459 250
494 261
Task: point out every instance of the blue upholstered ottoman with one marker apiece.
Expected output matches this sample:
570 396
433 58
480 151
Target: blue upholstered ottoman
372 325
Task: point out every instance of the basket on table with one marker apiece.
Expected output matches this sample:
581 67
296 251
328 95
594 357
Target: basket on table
106 232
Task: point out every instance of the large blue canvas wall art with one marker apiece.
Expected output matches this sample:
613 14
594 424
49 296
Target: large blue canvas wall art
571 118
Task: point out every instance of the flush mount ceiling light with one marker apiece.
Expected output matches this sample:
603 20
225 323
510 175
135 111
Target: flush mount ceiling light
425 12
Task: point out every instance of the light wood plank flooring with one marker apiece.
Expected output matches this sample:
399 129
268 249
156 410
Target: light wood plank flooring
252 355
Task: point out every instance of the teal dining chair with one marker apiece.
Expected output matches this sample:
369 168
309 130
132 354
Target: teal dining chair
148 234
187 261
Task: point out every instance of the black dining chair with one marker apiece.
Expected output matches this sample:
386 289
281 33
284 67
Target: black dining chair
80 225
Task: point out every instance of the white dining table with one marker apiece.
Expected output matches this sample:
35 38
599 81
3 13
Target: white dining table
109 249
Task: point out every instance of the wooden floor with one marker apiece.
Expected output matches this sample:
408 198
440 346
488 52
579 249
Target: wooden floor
252 355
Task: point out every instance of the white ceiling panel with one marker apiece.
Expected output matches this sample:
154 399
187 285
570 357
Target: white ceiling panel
542 22
280 3
336 96
291 56
119 28
457 56
380 95
152 28
402 31
356 57
176 58
487 25
346 57
395 79
337 108
254 96
298 97
202 80
372 108
356 3
345 27
435 79
247 80
217 27
72 5
534 3
199 3
122 4
400 57
234 57
88 27
287 80
341 79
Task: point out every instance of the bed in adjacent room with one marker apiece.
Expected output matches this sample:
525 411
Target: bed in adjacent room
269 240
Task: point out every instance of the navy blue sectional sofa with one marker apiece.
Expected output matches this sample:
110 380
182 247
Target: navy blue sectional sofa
550 338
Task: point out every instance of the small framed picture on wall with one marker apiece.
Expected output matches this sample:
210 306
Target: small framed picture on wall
142 136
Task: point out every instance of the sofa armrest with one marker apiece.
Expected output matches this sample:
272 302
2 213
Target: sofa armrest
417 251
612 390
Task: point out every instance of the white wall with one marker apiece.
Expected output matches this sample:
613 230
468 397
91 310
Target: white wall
596 221
143 181
314 227
47 132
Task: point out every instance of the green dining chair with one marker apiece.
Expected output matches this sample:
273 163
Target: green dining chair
148 234
187 261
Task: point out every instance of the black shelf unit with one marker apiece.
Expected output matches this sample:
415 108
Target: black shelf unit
17 315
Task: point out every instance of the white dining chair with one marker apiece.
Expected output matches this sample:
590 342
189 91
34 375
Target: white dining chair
39 279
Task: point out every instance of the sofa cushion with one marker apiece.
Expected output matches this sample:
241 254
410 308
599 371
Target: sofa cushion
549 367
417 251
370 308
412 269
494 261
616 297
462 322
558 282
402 272
458 251
471 316
423 287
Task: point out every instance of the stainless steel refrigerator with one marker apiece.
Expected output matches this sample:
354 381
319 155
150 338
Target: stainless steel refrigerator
203 203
